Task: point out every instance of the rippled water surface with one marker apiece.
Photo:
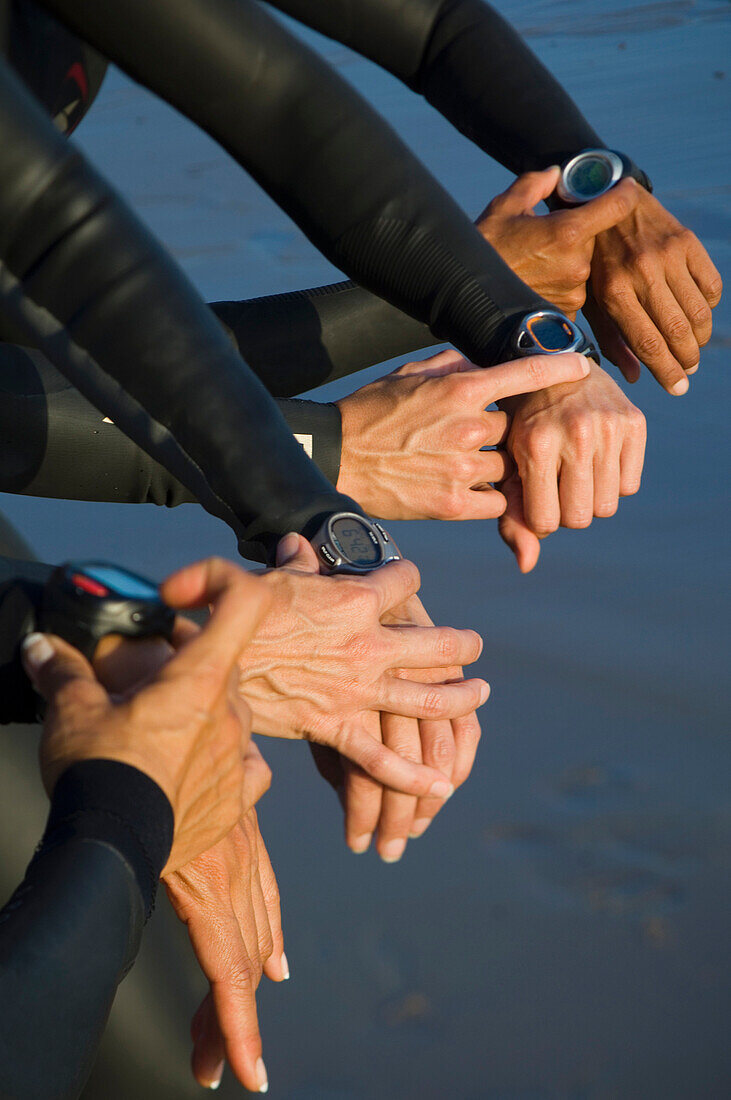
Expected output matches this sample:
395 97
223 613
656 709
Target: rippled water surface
562 930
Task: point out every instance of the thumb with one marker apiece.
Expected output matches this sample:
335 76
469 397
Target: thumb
52 663
513 529
295 552
525 192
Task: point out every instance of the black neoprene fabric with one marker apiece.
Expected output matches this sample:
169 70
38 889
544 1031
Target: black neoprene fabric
99 296
21 586
72 929
322 153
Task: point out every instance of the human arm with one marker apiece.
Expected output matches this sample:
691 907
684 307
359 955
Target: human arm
97 294
138 786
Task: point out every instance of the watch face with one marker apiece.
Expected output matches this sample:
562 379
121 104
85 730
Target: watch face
354 542
589 177
551 334
119 582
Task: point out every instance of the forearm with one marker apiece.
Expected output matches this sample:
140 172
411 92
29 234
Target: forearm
326 157
470 64
304 339
88 285
56 444
72 929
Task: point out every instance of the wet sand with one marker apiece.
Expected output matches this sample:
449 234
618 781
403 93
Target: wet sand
562 930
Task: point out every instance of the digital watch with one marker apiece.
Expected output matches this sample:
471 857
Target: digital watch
593 172
546 332
349 543
84 601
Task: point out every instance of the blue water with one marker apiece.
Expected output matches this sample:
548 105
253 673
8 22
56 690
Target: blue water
562 930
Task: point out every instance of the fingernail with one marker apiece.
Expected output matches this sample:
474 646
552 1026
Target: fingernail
217 1075
392 851
261 1075
285 967
441 789
360 844
419 827
37 650
680 387
484 693
287 548
692 370
585 364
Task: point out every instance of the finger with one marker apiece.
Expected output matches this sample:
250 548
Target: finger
388 768
606 482
264 945
235 1004
363 798
444 362
438 749
296 552
432 646
480 504
644 339
394 583
632 457
208 1058
525 192
239 601
693 304
602 213
576 493
539 479
466 732
397 810
490 466
183 630
534 372
662 306
52 664
276 967
610 340
432 701
705 273
513 529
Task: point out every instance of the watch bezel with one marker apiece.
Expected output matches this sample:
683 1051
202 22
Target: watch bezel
554 315
611 159
333 558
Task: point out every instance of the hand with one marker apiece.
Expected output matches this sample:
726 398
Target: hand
321 666
412 440
187 729
577 449
229 900
653 288
552 253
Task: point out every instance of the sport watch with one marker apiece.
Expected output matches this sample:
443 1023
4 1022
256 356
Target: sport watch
593 172
546 332
349 543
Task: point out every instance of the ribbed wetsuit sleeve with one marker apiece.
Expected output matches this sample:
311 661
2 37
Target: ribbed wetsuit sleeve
92 289
321 152
470 64
55 443
72 929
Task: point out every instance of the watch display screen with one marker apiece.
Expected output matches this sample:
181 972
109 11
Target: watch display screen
121 583
551 334
590 177
354 542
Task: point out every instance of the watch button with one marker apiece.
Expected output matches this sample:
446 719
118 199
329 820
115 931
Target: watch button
384 533
328 555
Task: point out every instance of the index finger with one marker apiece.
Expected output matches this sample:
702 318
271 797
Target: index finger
604 212
536 372
239 601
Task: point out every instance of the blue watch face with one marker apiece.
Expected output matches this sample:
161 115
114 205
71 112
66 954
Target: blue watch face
551 334
589 177
354 541
120 582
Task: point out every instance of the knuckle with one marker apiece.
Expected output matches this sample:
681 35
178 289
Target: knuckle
578 519
701 316
648 345
442 751
451 504
715 289
581 433
637 421
539 442
603 509
448 645
461 469
678 327
570 233
646 266
432 704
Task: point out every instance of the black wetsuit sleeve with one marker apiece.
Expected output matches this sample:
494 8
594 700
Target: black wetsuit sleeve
470 64
92 289
72 930
54 443
21 589
321 152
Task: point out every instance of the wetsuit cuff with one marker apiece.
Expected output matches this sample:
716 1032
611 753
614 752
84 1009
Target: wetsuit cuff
119 805
318 427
